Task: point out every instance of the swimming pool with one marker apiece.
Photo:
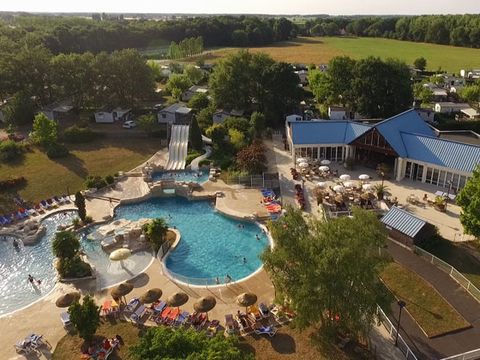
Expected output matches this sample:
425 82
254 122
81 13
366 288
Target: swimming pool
188 176
37 260
212 245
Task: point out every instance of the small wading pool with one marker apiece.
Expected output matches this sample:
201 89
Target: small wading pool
187 176
16 291
212 245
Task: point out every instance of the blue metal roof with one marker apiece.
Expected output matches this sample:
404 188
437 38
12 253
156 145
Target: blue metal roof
403 221
408 121
441 152
326 131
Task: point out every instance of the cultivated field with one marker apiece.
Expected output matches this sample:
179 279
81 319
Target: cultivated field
319 50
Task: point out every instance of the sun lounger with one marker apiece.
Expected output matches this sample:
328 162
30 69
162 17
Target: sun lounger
65 318
163 316
213 328
268 330
44 205
230 324
138 314
158 307
264 310
181 319
132 304
243 324
202 321
66 198
36 340
107 307
172 316
254 313
22 347
59 200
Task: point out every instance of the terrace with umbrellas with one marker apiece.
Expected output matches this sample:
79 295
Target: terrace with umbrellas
337 190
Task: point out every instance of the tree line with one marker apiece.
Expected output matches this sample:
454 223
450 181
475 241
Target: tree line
458 30
185 48
61 34
33 76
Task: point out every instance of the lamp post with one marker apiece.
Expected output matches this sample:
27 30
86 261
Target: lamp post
449 182
401 305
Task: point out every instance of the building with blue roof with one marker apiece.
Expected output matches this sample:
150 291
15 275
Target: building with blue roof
405 142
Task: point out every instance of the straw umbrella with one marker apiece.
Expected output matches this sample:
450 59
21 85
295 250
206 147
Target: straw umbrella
345 177
67 299
121 290
323 168
151 296
205 304
246 299
325 162
177 299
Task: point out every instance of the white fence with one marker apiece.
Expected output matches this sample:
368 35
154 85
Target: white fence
469 355
449 269
392 330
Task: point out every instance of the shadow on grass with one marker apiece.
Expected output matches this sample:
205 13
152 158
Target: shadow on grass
283 343
74 164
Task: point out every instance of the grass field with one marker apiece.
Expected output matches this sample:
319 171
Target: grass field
319 50
46 177
431 311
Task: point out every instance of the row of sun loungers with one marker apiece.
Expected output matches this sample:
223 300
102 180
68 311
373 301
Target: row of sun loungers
40 208
270 202
29 344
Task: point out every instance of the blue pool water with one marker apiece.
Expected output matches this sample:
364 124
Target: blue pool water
211 246
188 176
15 265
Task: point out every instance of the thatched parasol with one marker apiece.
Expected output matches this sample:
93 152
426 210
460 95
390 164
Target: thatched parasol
177 299
121 290
205 304
67 299
151 296
246 299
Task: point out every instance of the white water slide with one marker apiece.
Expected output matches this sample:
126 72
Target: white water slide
177 150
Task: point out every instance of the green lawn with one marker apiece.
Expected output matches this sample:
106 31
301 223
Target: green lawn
431 311
46 177
319 50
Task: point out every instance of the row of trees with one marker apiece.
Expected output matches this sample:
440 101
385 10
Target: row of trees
249 81
28 73
373 87
186 47
73 34
458 30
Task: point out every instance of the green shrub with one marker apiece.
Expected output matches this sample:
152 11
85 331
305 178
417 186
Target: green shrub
192 155
11 150
77 223
88 219
109 179
95 182
205 162
73 267
75 134
56 151
12 183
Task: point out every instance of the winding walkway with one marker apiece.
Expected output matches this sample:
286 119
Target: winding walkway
446 345
195 164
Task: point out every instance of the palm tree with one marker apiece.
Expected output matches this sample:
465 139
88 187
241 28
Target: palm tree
381 190
155 232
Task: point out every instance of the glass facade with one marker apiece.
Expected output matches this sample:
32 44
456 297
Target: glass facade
332 153
435 176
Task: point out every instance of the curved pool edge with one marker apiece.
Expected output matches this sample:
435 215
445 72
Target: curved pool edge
168 273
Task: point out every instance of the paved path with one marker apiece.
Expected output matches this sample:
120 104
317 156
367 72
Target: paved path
469 308
195 164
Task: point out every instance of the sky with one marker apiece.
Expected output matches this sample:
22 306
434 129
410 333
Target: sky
342 7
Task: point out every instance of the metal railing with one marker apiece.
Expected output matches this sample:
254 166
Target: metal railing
450 270
469 355
266 180
402 345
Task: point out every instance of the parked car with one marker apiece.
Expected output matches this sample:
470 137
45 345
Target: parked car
129 124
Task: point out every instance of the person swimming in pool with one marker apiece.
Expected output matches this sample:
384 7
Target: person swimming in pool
31 279
244 260
15 243
257 237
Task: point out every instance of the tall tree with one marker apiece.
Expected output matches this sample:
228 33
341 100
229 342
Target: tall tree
155 231
20 109
420 63
469 200
177 84
80 204
65 244
85 317
195 135
45 131
315 266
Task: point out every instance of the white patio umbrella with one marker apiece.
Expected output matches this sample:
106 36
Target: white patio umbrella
300 160
322 184
120 254
349 184
325 162
345 177
303 165
364 177
367 187
338 188
324 168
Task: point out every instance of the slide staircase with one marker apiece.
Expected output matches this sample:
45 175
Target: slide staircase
178 148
